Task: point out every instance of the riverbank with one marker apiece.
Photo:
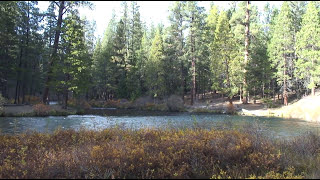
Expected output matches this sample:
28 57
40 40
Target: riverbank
148 153
307 109
30 111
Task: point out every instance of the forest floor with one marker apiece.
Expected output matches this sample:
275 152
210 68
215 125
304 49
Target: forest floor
307 108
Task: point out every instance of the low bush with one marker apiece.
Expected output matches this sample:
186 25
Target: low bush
150 153
269 103
72 102
175 103
95 103
112 103
41 109
33 99
230 109
82 104
2 101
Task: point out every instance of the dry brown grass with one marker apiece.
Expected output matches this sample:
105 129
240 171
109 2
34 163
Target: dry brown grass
149 153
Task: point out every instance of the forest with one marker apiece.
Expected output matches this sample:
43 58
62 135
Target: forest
238 52
128 104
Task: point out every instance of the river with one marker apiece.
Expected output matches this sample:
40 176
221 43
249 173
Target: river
276 127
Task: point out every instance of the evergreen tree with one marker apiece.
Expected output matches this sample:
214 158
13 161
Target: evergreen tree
195 23
281 48
175 49
9 14
225 65
308 48
155 73
135 37
63 8
76 62
119 59
103 67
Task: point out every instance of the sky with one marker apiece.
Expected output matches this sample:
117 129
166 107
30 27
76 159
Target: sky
151 11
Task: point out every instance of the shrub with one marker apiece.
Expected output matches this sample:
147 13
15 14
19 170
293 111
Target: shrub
72 102
230 109
112 103
33 99
82 104
149 153
142 101
269 103
175 103
95 103
41 109
149 106
2 101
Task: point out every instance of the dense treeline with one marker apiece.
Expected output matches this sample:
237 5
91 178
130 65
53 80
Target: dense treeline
235 52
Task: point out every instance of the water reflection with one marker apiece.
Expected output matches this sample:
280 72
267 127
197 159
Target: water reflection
277 127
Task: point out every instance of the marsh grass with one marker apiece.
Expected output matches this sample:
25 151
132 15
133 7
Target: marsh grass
224 152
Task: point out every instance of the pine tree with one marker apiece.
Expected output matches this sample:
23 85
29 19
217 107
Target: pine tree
194 17
119 59
64 7
30 47
135 37
308 48
211 25
9 14
154 67
103 68
225 66
281 48
76 62
174 50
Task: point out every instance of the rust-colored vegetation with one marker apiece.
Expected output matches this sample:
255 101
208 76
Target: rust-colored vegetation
150 153
41 109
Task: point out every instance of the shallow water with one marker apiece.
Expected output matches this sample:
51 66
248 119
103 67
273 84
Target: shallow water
276 127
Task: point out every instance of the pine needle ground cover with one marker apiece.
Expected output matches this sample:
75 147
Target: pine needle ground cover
153 153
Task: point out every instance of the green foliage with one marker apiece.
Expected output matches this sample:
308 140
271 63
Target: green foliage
2 101
308 44
155 72
132 59
225 66
281 45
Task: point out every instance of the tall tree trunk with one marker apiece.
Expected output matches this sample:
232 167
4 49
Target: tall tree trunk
228 80
18 78
273 91
66 92
240 94
193 65
66 98
24 83
311 78
246 54
285 95
54 53
182 66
